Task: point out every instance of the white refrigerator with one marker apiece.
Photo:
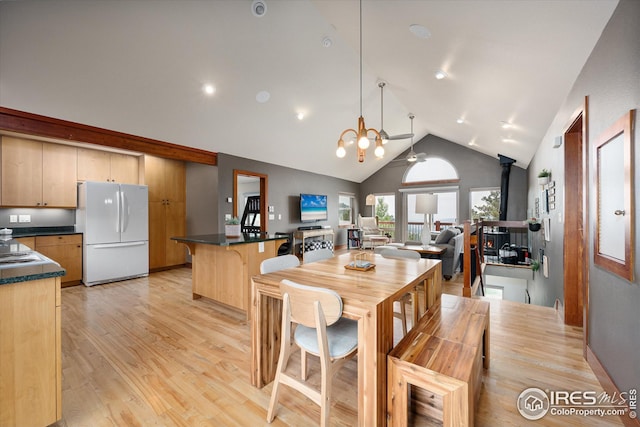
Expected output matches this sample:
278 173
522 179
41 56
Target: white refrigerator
114 219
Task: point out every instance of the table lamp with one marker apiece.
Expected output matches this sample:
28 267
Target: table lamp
371 201
426 204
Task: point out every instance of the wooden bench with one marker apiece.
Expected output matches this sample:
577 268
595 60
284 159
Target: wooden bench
442 357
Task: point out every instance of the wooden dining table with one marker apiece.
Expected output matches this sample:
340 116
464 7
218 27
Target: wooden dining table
367 297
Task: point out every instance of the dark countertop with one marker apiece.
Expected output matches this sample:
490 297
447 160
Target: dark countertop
25 272
222 240
43 231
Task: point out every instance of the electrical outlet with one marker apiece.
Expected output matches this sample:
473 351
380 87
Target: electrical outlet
13 218
24 218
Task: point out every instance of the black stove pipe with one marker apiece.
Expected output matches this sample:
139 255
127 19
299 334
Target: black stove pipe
506 163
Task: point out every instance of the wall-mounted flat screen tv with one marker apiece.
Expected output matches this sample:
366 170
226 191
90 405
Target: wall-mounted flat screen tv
313 207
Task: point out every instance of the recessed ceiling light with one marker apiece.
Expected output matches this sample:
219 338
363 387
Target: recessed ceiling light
441 75
258 8
263 96
460 121
208 89
505 125
508 140
326 42
300 116
419 31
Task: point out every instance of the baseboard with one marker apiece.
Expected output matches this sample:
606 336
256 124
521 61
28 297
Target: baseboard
170 267
607 384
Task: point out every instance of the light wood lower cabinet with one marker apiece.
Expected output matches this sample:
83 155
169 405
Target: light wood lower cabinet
30 353
166 220
66 250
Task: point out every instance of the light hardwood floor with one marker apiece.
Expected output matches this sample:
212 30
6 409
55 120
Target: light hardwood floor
143 353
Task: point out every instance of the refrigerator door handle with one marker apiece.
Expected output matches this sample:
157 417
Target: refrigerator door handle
118 211
124 221
117 245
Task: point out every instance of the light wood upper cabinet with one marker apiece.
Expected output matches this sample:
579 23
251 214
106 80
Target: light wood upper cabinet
95 165
59 179
36 174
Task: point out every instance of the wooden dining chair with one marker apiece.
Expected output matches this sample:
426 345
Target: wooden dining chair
320 330
317 255
406 298
278 263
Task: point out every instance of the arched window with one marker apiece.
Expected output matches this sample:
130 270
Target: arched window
429 176
431 169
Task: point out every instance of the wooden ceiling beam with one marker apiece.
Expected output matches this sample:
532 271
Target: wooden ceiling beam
49 127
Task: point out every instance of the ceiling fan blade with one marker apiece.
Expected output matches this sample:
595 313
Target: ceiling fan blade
403 136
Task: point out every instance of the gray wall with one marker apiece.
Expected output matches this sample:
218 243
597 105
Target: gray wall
285 186
202 199
476 170
611 79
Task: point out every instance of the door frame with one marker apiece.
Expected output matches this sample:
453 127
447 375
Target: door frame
264 179
576 221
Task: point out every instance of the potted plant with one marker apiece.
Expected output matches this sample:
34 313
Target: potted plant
534 224
232 227
535 265
543 177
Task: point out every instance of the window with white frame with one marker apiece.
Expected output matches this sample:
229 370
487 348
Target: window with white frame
385 209
345 209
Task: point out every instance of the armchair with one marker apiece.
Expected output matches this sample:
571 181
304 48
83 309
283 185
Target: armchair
369 227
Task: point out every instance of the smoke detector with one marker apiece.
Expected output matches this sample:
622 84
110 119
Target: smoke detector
259 8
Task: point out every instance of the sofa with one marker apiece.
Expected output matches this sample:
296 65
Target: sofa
368 226
452 240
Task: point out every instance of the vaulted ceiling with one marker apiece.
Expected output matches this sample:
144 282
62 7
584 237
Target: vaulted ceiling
139 67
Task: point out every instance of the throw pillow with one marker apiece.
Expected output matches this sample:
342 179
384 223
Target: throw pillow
445 236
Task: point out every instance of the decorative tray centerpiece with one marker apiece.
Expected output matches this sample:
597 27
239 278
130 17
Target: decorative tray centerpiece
360 263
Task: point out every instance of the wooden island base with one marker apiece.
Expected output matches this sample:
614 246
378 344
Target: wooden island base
222 267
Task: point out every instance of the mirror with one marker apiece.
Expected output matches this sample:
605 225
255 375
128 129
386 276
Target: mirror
250 187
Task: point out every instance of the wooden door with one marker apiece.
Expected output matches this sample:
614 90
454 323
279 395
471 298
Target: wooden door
575 256
59 175
94 165
175 181
175 227
21 172
157 234
154 177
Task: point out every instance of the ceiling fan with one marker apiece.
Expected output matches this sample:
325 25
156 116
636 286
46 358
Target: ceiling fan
383 134
412 156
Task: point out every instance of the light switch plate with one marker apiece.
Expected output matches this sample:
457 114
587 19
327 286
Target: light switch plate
24 218
13 218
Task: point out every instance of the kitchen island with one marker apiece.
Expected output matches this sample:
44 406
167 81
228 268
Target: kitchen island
223 266
30 337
